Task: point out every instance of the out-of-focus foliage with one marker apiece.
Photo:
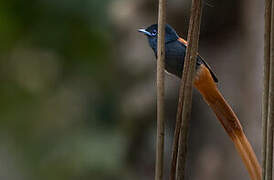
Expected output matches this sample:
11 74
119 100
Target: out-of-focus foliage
56 95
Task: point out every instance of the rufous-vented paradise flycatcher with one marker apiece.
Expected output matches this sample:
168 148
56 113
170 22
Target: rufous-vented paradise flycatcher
205 82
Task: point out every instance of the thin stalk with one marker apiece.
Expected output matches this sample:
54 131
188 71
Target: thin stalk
178 123
270 111
266 82
159 164
187 86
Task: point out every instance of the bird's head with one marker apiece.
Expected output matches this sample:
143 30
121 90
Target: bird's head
152 33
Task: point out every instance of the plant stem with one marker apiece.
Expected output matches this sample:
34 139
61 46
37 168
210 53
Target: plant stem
268 4
160 91
185 94
270 108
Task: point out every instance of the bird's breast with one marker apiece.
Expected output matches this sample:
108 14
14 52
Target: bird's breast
174 58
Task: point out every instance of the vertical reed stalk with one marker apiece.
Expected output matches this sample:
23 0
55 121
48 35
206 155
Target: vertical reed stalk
179 151
159 164
270 108
266 80
268 94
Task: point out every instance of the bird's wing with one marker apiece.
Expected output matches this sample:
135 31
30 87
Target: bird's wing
209 68
184 42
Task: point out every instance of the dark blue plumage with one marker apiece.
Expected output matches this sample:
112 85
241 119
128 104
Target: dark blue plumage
174 50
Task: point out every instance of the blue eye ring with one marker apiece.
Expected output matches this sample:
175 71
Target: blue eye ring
154 32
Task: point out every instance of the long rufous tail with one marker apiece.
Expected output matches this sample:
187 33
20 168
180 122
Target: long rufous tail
207 87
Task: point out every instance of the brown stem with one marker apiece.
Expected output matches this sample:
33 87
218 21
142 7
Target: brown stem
179 150
266 80
269 66
160 91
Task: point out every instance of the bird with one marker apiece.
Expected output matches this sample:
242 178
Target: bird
205 81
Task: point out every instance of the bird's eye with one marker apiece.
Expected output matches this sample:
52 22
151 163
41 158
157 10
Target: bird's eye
154 32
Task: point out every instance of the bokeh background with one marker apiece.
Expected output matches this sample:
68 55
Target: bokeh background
77 93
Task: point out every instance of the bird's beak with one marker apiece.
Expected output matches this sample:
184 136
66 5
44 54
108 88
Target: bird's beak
144 32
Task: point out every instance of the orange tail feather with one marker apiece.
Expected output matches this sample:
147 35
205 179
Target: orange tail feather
207 87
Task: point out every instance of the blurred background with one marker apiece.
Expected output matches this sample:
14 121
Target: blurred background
78 93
